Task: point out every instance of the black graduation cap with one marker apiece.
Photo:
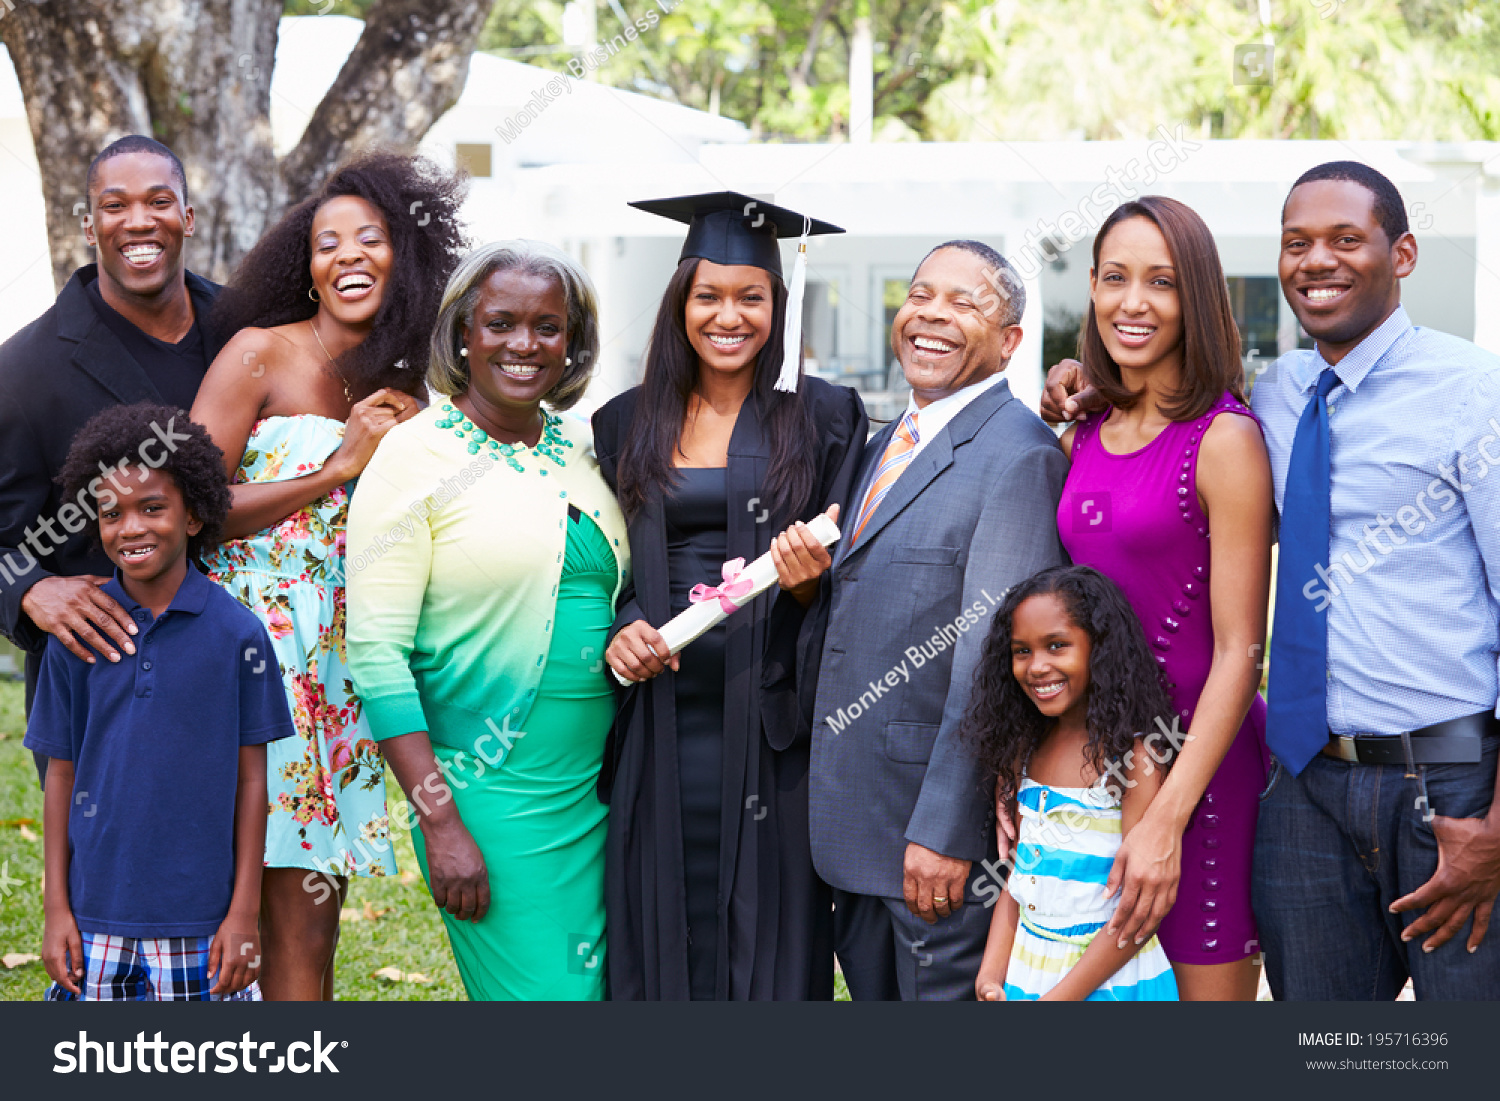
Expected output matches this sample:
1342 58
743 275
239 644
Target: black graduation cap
726 227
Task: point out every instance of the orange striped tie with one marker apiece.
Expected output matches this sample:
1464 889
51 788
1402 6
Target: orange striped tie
892 463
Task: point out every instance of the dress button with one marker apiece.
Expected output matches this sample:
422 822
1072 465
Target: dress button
1161 642
1210 884
1211 945
146 665
1209 905
1170 624
1192 589
1209 821
1210 842
1030 906
1181 607
1208 864
1210 925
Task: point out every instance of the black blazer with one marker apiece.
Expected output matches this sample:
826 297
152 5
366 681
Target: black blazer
55 374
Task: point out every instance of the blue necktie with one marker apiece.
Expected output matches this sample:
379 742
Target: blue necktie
1297 709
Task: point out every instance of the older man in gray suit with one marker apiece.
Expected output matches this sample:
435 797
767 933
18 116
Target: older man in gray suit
957 502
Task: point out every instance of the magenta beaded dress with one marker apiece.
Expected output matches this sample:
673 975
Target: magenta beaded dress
1136 519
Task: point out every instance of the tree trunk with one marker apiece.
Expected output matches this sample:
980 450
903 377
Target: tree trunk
196 75
409 67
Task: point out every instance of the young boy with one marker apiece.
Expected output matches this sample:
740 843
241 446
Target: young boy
155 808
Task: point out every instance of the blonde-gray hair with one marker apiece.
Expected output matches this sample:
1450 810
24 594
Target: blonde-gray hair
448 372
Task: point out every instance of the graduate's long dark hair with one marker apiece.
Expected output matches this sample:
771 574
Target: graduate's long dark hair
420 203
670 378
1125 695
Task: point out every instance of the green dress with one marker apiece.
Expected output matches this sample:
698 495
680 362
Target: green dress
536 817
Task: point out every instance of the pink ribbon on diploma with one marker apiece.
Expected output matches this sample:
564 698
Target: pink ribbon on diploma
733 587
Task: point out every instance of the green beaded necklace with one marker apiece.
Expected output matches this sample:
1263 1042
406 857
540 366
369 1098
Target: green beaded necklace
550 445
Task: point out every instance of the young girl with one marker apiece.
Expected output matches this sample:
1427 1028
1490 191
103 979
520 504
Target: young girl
1064 711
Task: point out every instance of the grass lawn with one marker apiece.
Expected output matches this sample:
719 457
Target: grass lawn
406 932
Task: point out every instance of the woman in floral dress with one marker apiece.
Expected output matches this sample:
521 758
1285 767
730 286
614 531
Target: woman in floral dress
332 312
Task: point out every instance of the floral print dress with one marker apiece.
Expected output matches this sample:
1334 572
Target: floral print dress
327 786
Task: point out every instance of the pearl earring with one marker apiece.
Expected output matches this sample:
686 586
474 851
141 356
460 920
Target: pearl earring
567 361
464 352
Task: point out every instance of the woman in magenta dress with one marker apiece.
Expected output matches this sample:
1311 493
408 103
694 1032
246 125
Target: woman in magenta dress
1151 480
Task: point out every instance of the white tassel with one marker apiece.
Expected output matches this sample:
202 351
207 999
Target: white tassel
791 340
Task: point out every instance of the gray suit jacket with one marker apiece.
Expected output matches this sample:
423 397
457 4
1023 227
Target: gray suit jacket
973 514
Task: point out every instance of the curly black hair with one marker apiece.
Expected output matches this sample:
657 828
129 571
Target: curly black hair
1125 693
421 206
116 438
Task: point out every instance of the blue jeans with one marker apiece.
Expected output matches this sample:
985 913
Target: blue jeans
1334 848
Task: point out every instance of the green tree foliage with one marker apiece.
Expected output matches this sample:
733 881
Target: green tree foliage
976 70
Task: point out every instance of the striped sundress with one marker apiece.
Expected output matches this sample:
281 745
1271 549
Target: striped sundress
1067 844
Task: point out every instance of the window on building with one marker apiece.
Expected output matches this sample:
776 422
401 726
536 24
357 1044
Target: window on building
893 297
820 327
1256 302
473 159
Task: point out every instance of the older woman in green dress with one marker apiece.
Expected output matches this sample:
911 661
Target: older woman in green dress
485 554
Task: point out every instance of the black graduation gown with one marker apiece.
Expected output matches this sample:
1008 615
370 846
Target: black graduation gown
775 914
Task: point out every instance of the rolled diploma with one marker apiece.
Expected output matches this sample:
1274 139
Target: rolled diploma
699 618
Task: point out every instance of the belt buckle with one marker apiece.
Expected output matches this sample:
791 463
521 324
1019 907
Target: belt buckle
1344 748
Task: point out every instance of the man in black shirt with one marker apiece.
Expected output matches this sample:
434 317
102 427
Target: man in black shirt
130 328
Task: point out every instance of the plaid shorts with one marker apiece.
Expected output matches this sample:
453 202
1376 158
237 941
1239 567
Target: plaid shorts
163 969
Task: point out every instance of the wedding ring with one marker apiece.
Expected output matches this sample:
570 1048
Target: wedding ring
653 650
936 900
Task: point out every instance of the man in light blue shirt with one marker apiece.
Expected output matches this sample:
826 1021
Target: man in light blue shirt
1386 837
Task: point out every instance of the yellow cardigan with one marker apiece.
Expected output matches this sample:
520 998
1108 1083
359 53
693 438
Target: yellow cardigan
453 563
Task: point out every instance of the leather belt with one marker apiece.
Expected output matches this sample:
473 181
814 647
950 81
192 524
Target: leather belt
1457 741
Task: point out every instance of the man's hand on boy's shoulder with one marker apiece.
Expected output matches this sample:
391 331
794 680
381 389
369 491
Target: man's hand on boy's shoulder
62 950
74 610
234 955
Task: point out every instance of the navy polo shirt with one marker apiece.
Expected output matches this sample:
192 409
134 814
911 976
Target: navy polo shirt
155 740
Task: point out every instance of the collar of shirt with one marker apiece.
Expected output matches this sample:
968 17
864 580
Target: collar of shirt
191 596
1361 359
935 416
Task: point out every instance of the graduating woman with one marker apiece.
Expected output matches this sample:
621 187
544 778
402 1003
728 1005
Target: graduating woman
710 888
